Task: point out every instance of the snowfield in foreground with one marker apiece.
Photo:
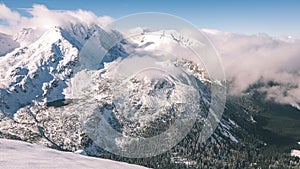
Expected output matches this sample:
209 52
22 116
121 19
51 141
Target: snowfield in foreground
17 154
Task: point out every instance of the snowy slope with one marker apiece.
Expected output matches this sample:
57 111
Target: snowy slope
18 155
7 44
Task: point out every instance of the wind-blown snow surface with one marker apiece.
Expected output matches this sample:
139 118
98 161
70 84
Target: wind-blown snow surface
19 155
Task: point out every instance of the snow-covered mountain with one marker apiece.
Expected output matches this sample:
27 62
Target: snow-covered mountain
31 72
41 67
38 73
37 76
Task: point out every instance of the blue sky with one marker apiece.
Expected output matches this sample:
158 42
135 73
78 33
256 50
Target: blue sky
275 17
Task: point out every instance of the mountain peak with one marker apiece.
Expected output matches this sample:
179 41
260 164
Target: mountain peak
27 36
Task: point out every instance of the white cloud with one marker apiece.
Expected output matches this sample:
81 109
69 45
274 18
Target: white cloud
42 17
248 59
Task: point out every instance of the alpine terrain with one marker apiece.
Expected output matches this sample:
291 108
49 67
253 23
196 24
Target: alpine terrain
44 101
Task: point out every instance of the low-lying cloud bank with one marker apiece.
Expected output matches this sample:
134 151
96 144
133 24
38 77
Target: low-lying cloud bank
274 61
246 59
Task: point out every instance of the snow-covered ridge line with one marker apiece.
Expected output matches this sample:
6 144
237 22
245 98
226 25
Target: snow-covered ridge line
40 70
18 155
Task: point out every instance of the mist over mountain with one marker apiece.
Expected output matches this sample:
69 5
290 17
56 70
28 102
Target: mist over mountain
251 59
